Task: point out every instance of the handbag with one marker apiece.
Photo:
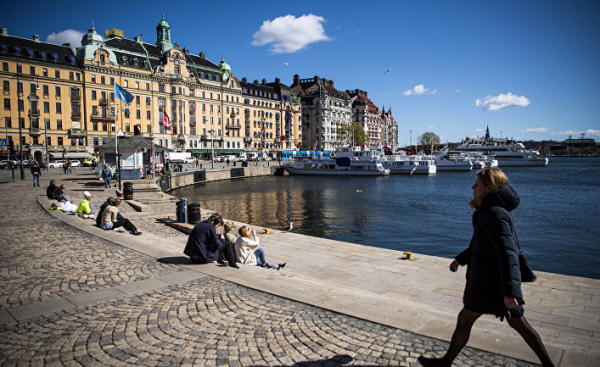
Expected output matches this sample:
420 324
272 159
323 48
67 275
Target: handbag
527 275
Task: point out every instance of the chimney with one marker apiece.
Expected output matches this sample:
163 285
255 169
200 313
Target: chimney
264 81
202 55
4 31
296 79
36 38
244 80
277 81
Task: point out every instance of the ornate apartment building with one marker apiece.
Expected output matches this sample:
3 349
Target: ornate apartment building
64 96
380 125
325 110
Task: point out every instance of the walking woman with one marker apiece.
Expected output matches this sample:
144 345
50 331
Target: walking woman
493 275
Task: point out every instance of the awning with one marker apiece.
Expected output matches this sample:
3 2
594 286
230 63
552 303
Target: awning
220 151
72 155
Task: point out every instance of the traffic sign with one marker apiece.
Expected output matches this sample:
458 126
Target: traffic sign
3 142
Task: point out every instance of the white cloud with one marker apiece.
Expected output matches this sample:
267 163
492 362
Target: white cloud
577 133
431 127
502 102
456 91
67 36
536 130
418 90
289 34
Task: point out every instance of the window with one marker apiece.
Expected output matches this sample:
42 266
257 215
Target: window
161 87
60 141
148 116
112 81
137 85
20 105
147 86
78 77
127 128
138 114
4 66
95 127
47 123
58 108
7 122
58 91
19 87
148 128
7 103
32 88
125 83
6 86
57 74
59 126
94 95
102 80
49 140
137 99
102 58
46 107
32 70
74 93
93 79
71 75
45 90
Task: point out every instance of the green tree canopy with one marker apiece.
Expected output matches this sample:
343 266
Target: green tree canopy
355 133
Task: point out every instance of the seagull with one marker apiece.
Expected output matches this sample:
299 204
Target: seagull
290 227
286 64
387 71
358 190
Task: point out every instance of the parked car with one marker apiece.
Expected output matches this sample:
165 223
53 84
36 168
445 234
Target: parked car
5 164
75 163
56 164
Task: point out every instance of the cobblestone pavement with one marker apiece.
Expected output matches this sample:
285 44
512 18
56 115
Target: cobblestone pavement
204 322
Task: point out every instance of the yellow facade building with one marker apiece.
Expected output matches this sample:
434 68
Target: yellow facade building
60 99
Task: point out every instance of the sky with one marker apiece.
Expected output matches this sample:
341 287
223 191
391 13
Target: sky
528 69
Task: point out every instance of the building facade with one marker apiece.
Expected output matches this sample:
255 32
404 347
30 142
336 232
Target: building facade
59 100
380 125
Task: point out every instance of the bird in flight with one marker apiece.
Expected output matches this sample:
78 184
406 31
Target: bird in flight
387 71
286 64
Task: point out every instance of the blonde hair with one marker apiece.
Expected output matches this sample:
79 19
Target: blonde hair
229 226
492 177
243 231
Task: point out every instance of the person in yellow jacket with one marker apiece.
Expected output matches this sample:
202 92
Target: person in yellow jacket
84 210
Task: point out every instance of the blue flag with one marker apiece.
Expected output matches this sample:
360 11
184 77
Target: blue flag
123 95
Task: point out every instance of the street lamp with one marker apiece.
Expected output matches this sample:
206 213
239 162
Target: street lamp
212 146
20 128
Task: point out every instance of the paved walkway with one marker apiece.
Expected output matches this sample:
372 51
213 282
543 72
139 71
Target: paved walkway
73 294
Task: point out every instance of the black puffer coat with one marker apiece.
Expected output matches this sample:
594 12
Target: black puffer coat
493 255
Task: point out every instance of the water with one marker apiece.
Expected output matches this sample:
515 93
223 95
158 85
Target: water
557 220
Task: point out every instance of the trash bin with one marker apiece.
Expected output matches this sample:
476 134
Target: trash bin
244 164
128 190
182 210
193 213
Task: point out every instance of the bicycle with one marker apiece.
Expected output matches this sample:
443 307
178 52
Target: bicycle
68 171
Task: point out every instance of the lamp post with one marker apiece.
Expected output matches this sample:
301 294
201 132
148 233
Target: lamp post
212 146
20 128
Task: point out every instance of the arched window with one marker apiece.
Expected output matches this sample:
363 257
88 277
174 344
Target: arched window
102 58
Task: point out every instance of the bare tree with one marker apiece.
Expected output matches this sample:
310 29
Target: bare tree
428 139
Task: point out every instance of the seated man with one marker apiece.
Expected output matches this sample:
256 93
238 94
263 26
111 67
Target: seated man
203 243
60 193
84 210
51 190
110 221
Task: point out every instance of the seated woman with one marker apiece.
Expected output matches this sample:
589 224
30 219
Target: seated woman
248 251
110 221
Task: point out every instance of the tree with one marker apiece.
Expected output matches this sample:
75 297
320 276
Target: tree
355 133
428 139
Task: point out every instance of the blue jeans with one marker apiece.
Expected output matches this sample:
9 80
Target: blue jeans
36 177
63 197
260 258
107 181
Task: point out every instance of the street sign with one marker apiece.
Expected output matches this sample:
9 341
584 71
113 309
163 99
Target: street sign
3 142
120 133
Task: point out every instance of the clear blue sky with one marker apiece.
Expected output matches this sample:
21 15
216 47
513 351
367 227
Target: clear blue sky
529 69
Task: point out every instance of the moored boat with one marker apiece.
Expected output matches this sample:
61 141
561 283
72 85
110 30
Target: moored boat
410 164
347 162
507 154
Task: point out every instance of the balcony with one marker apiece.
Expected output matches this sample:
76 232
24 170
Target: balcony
76 116
34 131
233 126
77 134
103 102
102 118
75 97
34 113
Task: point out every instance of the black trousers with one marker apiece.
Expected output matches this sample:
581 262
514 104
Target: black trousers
125 223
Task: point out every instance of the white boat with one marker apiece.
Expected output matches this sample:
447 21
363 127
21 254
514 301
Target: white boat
507 155
347 162
411 164
452 162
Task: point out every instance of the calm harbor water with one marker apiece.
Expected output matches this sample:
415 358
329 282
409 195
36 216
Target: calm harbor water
557 220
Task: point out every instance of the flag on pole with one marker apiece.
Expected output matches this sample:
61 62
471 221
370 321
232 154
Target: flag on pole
123 95
166 120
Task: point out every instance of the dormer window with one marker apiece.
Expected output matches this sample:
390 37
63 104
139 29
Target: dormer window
102 58
176 70
136 62
124 60
17 50
29 52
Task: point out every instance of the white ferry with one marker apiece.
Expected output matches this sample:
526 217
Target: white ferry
347 162
507 155
410 164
